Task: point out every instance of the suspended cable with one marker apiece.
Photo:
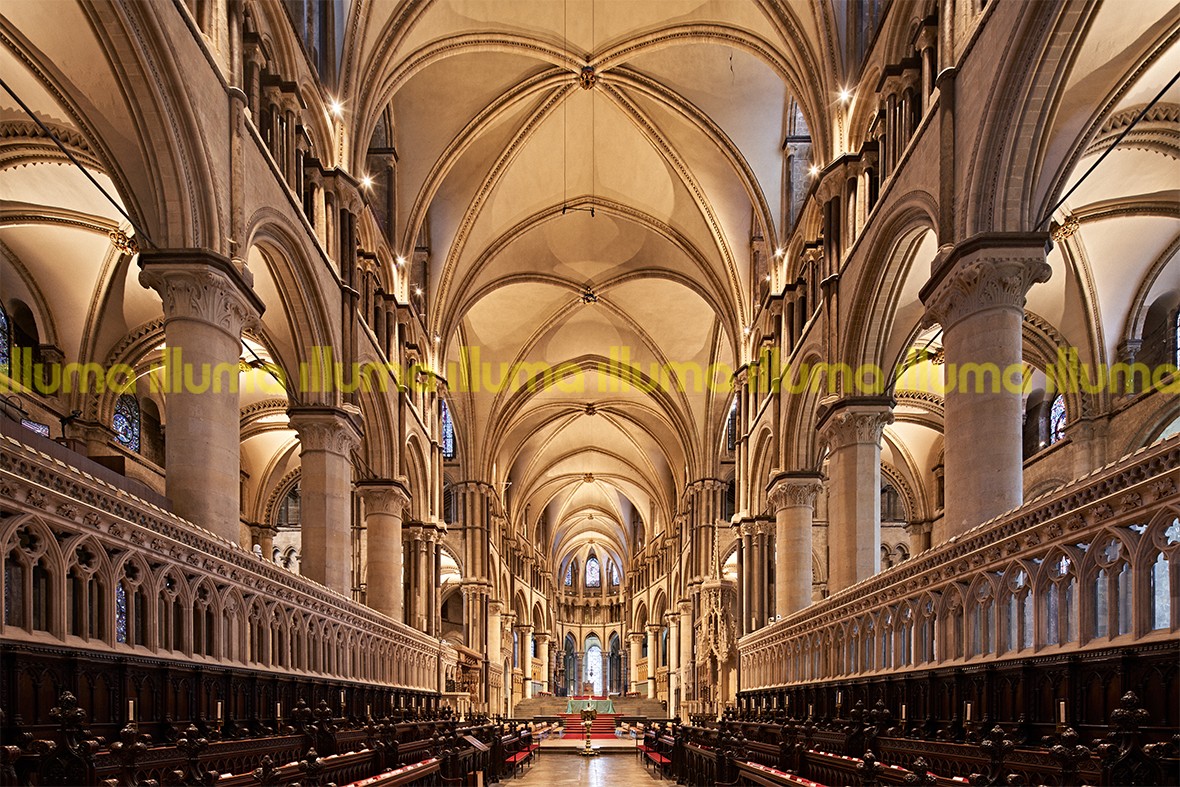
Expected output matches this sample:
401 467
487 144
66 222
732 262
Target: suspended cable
139 232
1107 152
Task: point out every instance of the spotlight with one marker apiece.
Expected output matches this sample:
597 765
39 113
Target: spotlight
401 260
418 291
780 251
336 108
813 171
367 182
845 95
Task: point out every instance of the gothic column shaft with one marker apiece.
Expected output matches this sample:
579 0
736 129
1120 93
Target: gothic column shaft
978 299
793 499
853 432
636 641
421 611
207 302
384 503
673 661
526 659
543 655
684 663
746 567
653 659
327 438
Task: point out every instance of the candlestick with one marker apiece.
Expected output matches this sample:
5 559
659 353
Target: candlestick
219 711
1061 713
903 711
810 709
130 710
278 710
368 711
968 711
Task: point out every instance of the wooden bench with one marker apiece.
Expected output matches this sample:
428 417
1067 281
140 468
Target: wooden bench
398 777
657 749
753 773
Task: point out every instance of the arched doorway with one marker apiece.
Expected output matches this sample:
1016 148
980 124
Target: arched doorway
592 675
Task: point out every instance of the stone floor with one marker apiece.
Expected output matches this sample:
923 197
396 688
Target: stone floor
560 770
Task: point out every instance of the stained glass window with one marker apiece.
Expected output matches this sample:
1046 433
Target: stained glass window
289 510
593 573
1057 419
126 422
35 426
5 342
613 570
120 613
731 426
448 432
569 574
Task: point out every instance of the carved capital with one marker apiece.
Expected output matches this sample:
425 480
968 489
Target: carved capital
636 639
495 607
856 424
206 289
383 497
984 281
794 491
325 429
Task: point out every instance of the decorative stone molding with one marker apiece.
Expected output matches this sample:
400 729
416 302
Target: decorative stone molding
325 429
984 284
383 497
791 490
204 289
856 424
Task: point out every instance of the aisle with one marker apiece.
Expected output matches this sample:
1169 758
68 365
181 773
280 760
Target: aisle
607 770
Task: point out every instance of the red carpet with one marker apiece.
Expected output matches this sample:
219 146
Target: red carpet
602 727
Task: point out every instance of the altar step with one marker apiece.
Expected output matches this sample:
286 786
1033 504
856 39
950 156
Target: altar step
602 727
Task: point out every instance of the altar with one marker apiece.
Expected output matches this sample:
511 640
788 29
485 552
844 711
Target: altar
602 706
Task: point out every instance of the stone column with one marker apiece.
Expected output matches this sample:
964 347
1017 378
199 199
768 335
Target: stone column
673 660
432 603
746 576
684 661
495 608
919 533
526 658
264 537
758 541
636 640
327 438
852 429
385 502
977 296
792 496
543 656
421 608
653 659
207 301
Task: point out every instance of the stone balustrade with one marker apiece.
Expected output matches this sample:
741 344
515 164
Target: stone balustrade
88 565
1093 565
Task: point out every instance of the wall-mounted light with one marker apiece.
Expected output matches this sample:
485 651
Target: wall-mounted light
335 107
367 181
845 95
418 291
401 260
813 171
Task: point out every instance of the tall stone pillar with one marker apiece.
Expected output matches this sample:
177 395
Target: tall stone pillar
758 542
745 577
385 502
852 429
792 496
526 658
977 295
327 438
421 577
432 602
543 656
495 648
684 663
673 661
207 301
653 659
636 640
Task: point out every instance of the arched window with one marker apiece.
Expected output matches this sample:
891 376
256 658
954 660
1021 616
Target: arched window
5 342
448 432
1176 337
593 573
126 422
1057 419
613 570
731 426
891 508
569 574
289 509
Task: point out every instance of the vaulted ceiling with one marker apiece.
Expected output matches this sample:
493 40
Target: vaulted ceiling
572 224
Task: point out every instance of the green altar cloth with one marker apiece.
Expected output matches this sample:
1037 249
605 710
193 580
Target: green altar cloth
602 706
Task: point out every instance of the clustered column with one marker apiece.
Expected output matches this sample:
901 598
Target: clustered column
673 620
543 656
653 659
792 496
685 662
207 301
327 438
853 429
977 296
525 634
